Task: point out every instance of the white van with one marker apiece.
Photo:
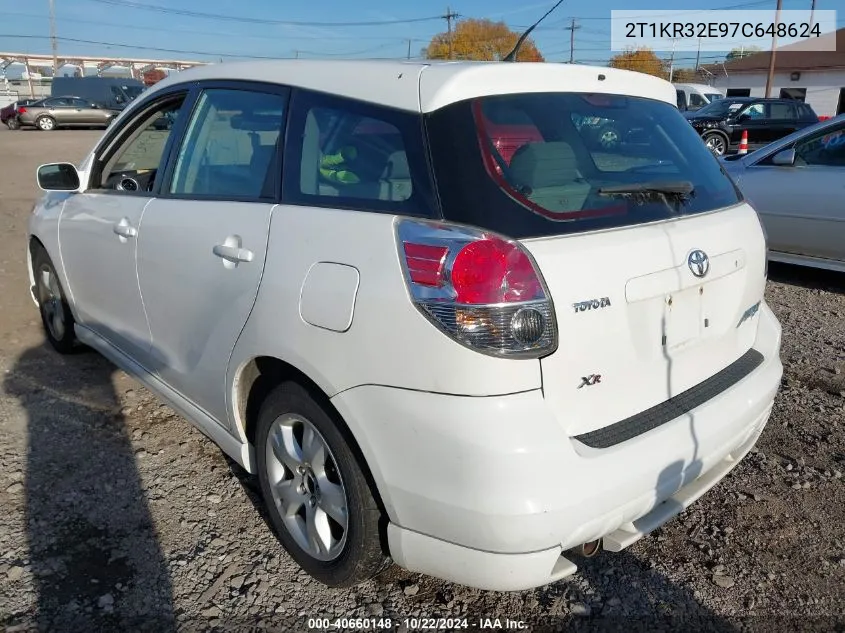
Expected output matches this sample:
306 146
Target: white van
441 320
695 96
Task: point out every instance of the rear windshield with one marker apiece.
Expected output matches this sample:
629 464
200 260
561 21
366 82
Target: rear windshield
531 165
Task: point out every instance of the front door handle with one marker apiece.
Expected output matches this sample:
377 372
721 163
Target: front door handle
124 229
233 253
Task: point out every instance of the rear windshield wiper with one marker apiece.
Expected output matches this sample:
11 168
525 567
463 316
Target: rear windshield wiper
681 189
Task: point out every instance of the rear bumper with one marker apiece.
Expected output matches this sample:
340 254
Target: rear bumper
489 492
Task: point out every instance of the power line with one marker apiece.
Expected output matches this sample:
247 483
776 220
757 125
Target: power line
744 5
148 48
162 29
130 4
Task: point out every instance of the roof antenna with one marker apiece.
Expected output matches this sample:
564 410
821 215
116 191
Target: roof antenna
511 57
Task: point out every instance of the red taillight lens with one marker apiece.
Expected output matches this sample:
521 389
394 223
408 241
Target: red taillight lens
481 289
425 263
21 110
494 271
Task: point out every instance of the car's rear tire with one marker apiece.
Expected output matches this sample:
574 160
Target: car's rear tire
320 503
609 137
45 123
716 143
56 316
13 124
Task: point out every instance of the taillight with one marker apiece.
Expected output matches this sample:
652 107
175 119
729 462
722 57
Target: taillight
481 289
21 109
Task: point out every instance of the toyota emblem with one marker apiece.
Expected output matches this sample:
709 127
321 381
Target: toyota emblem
699 263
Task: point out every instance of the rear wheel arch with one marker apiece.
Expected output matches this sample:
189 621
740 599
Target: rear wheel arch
259 377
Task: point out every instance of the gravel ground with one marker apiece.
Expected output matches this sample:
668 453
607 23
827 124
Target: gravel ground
117 515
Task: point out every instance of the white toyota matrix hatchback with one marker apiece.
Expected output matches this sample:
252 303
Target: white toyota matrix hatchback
467 317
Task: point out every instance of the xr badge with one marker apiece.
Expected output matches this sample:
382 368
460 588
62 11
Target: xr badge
589 381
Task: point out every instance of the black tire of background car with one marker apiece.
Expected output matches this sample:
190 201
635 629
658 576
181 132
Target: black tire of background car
721 137
362 556
67 344
13 124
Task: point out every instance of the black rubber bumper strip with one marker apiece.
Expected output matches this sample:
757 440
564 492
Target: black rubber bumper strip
674 407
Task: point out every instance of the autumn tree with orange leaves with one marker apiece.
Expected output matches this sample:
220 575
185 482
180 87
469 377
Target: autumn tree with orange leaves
482 40
641 60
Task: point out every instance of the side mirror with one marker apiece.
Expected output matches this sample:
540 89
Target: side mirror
784 158
95 106
743 117
58 177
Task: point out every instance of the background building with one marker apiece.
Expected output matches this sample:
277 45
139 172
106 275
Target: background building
815 77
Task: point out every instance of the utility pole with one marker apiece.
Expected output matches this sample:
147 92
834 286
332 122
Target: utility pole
53 41
771 76
409 48
29 77
812 11
697 57
449 17
571 28
672 61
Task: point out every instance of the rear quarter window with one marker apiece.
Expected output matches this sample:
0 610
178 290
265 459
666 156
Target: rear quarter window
348 154
559 178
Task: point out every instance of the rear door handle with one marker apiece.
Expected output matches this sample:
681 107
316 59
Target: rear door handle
232 253
124 229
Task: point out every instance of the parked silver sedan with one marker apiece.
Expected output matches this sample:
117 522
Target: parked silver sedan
797 185
54 112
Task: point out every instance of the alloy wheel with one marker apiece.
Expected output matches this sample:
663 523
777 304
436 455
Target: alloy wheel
306 487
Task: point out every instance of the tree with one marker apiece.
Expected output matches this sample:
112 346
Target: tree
739 53
642 60
684 75
482 40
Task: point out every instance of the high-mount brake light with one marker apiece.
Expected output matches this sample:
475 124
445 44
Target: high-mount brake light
481 289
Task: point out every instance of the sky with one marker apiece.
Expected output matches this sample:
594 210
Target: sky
262 28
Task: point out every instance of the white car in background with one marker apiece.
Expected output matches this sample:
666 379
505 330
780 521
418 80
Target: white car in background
469 363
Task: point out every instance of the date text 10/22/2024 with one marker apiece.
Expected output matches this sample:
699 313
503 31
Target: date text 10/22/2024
416 624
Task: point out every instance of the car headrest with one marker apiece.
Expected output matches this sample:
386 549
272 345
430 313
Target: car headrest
540 165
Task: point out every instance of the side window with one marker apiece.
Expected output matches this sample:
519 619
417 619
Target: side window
697 100
230 146
755 111
133 164
57 102
781 111
79 103
682 100
354 155
827 148
117 94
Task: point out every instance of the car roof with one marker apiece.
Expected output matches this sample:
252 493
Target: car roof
428 85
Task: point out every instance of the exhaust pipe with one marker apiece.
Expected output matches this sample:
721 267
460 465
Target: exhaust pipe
590 549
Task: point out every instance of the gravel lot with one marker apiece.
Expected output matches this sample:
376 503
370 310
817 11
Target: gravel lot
117 515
